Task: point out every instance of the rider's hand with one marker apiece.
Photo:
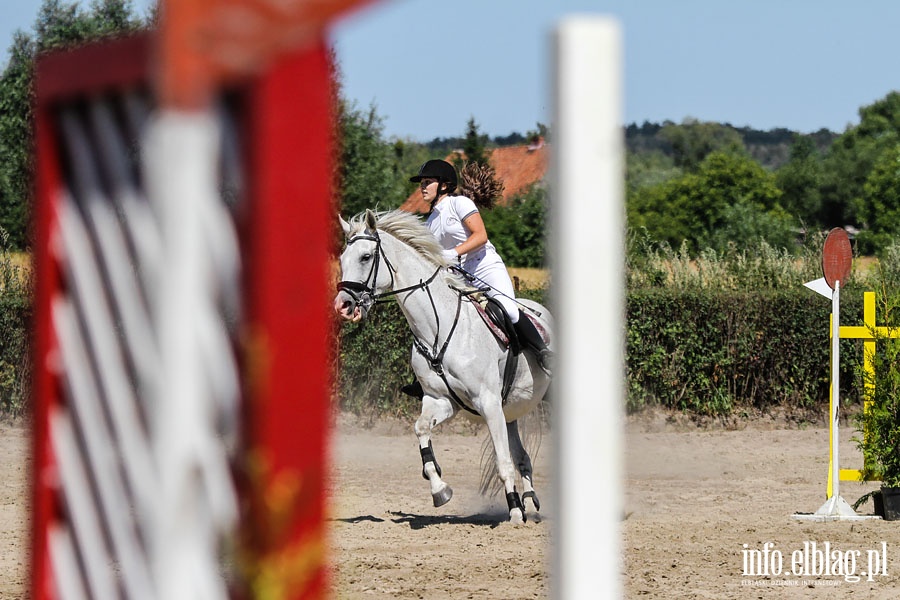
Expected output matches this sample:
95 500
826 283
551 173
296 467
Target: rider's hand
451 256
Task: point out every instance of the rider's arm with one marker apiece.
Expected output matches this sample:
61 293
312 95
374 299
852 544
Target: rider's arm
477 234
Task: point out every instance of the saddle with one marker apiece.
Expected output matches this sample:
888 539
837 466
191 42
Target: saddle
493 315
497 321
499 324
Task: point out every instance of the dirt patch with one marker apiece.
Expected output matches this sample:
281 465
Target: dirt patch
390 542
15 462
694 497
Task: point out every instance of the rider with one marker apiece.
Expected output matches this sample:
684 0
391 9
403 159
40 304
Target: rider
456 223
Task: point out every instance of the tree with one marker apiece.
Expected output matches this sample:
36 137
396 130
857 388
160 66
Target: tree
518 229
59 24
644 170
800 180
15 140
541 131
729 199
408 157
852 157
474 144
879 206
112 17
367 169
694 140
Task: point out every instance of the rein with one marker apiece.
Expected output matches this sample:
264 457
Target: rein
364 293
361 291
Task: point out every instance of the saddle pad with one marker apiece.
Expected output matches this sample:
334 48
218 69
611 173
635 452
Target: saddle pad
498 333
539 327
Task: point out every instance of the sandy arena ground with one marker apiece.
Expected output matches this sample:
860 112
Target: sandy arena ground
694 498
15 461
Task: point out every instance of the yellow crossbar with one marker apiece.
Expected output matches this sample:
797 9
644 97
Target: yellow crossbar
870 333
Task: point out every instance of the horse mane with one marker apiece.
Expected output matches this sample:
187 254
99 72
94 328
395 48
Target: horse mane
409 229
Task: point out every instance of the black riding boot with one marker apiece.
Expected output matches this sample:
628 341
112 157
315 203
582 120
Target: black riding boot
530 337
413 389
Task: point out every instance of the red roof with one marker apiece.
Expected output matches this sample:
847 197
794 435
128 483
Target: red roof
518 167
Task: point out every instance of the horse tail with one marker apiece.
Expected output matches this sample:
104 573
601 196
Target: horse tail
490 484
531 429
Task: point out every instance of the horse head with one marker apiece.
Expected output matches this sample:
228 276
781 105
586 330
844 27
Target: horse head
365 270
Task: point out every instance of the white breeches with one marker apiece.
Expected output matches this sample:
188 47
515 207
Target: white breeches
495 275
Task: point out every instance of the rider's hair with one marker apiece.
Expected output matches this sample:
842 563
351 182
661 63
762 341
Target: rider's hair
478 181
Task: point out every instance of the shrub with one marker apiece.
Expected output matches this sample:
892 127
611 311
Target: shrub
879 423
374 362
15 318
711 351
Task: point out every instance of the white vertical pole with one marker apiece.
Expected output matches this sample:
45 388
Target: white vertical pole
587 188
174 186
835 507
835 387
182 151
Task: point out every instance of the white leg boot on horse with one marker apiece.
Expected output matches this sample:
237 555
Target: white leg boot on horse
496 422
523 464
434 412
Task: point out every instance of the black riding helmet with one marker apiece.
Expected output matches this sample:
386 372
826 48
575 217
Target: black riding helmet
441 170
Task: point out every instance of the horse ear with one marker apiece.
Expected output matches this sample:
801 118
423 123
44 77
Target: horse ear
370 220
344 225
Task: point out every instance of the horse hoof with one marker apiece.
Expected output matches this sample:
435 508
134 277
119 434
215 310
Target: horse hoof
517 516
442 497
534 500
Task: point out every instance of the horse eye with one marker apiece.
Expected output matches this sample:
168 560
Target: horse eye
366 257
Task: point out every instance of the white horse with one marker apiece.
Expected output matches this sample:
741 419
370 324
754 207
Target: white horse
457 359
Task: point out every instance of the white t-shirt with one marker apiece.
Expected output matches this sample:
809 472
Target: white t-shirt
446 223
446 220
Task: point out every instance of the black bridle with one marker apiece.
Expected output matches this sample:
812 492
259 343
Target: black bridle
365 295
363 292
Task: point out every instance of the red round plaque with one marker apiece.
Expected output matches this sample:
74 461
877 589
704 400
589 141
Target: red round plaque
837 257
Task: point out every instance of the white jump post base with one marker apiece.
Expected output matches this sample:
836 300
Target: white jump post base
835 508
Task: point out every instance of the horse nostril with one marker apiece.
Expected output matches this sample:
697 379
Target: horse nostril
343 305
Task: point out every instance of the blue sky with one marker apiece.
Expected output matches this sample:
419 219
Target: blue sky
428 66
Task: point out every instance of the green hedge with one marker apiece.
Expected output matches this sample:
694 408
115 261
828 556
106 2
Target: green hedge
373 362
700 351
710 352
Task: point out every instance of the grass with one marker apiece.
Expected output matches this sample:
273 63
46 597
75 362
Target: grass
530 278
16 265
20 259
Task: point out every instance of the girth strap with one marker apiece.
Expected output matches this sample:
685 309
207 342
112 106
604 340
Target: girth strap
436 358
